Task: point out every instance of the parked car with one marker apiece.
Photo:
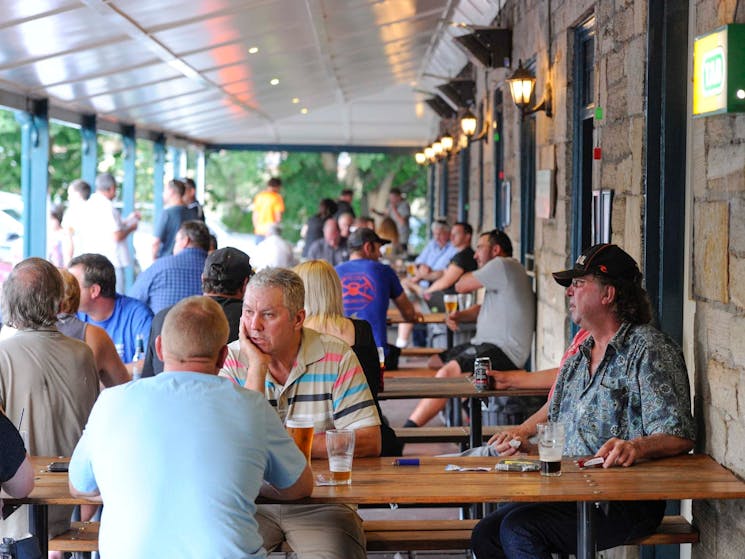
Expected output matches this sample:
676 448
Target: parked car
11 232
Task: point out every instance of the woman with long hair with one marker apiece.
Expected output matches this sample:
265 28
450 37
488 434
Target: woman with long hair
324 313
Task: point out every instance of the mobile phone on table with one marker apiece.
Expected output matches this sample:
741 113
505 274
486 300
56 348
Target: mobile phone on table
58 467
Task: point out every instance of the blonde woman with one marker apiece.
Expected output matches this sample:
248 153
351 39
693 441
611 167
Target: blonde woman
324 313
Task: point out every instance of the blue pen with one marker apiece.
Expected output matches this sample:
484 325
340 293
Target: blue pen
406 462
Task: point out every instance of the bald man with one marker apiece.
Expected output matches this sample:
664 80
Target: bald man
186 452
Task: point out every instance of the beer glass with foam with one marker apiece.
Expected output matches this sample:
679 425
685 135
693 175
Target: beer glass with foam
340 448
300 428
451 302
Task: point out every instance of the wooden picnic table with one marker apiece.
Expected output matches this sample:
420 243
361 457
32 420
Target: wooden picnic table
376 481
402 388
394 317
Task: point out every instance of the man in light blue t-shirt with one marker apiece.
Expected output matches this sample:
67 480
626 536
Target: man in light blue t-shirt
179 459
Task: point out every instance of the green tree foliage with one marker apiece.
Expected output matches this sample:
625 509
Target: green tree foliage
233 178
375 169
10 152
306 179
64 158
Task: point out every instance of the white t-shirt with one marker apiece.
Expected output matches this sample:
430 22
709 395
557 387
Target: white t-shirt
74 220
272 252
507 315
101 221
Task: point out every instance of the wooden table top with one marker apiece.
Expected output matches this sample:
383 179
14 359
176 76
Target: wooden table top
378 481
456 387
394 317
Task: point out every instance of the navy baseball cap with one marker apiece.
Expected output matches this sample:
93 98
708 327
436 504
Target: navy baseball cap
606 260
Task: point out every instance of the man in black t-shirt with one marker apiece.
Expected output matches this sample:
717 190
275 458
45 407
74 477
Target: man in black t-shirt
16 474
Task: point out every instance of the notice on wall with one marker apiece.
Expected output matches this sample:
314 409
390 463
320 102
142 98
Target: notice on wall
545 194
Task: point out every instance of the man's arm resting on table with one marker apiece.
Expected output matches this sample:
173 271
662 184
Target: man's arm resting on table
528 428
523 379
446 279
301 488
468 283
366 443
22 481
619 452
93 496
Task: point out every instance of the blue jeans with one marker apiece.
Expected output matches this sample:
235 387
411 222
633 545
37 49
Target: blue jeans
535 530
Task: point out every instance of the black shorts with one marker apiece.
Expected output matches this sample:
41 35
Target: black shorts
465 354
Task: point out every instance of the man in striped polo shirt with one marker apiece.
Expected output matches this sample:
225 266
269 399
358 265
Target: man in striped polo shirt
302 372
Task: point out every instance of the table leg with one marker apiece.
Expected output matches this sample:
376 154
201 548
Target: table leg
476 430
38 525
586 543
449 338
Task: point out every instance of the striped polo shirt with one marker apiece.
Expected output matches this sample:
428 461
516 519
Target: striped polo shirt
326 382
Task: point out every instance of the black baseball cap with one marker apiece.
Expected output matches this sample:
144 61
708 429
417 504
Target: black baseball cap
363 235
603 260
227 264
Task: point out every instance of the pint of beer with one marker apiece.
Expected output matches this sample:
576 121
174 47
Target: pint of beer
451 303
300 428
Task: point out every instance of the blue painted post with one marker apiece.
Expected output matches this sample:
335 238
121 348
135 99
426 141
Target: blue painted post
34 176
89 159
129 156
463 180
431 198
159 171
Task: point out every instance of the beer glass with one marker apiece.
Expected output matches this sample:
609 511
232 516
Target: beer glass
340 448
300 428
550 447
451 302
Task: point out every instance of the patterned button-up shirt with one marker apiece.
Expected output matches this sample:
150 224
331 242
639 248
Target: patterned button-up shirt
639 389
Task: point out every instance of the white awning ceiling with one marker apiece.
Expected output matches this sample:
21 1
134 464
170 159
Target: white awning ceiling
361 68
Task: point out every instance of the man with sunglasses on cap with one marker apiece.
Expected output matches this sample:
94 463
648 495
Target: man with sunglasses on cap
624 396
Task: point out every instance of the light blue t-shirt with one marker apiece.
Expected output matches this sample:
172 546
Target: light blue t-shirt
130 318
435 256
179 460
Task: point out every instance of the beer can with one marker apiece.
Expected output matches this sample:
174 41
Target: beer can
481 368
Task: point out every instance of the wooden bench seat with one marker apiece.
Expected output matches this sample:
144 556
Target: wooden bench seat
401 535
81 537
443 434
421 351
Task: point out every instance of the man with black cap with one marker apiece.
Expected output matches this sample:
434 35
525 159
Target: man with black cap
368 285
624 396
226 273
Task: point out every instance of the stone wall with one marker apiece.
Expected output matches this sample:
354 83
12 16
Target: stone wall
717 191
716 308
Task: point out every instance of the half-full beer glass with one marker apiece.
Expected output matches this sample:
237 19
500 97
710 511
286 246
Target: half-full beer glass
550 447
340 448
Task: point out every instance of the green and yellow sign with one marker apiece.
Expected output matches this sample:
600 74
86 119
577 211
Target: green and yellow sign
719 71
